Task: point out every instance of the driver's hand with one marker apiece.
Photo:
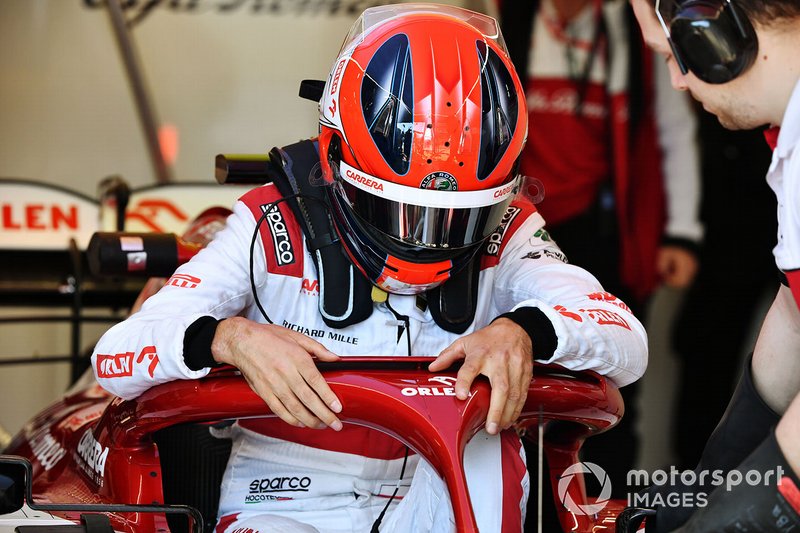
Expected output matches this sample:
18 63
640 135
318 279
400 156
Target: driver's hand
502 351
277 363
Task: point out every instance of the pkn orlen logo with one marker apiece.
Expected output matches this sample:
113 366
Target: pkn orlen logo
446 387
584 468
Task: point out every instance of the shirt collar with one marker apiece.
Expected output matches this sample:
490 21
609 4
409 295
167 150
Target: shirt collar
790 128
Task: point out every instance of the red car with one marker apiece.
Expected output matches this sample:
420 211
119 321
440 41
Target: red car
149 463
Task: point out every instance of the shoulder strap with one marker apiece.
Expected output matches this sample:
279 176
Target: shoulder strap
344 293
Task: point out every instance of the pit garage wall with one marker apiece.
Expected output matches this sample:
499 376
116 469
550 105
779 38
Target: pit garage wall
223 73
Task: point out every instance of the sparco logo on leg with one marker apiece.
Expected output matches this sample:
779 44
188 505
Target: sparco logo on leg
280 484
284 253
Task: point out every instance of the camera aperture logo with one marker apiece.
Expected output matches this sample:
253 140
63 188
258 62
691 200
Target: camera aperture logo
581 469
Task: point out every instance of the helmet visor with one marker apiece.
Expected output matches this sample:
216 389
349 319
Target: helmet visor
448 219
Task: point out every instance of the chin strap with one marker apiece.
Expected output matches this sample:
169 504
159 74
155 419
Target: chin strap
345 296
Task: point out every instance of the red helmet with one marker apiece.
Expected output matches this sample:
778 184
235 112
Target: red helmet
422 121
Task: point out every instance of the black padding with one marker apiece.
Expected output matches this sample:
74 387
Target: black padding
538 327
345 294
453 303
197 343
192 465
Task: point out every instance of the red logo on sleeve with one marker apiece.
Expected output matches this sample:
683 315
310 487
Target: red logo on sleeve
563 311
152 356
610 298
115 366
606 318
602 317
121 364
184 281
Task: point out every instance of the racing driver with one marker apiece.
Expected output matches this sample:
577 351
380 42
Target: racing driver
422 120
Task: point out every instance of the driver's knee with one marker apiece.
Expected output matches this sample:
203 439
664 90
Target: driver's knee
262 523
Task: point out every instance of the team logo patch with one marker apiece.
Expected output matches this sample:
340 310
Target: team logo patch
542 234
548 253
183 281
284 251
440 181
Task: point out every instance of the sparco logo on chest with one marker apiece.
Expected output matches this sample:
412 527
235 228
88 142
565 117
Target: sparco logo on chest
284 252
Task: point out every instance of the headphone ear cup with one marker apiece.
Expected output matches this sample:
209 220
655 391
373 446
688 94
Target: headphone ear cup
713 40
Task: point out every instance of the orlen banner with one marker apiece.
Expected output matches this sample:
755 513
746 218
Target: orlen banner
40 216
171 208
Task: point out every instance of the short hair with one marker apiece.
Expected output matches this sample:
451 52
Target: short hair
762 12
769 12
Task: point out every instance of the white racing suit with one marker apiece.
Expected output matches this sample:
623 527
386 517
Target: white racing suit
282 478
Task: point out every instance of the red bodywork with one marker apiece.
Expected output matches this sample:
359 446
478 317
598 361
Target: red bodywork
117 462
91 447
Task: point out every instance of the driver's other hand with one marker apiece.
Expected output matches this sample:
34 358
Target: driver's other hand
277 363
502 351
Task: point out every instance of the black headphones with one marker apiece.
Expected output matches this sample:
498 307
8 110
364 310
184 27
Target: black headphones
710 38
